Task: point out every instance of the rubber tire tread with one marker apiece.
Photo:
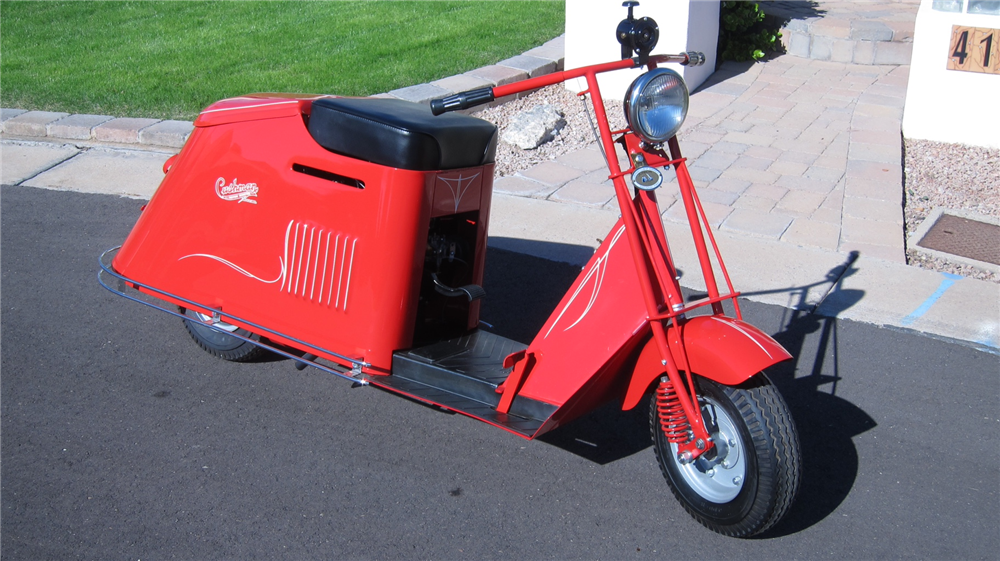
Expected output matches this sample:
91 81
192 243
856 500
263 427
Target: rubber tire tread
247 352
776 443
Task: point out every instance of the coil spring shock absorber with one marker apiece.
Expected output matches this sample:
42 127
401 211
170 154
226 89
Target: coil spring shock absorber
673 421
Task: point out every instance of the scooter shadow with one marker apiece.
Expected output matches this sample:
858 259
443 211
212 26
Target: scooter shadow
826 422
523 290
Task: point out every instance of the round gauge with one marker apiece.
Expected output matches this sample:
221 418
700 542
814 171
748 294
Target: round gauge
647 178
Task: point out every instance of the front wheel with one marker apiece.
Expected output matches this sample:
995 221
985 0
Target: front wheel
220 343
747 482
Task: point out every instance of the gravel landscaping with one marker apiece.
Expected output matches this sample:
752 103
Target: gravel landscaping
575 135
951 176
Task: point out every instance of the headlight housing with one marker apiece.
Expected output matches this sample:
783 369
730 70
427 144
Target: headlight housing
656 105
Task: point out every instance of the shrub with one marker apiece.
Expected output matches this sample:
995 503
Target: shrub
742 33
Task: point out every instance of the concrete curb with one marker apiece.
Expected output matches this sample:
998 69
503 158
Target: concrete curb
37 125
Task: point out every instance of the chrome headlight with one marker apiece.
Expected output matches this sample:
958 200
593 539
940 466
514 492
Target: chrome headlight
656 104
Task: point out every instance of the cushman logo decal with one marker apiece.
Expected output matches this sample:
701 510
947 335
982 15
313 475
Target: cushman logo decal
236 191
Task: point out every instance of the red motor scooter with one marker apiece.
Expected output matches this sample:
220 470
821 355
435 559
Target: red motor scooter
350 234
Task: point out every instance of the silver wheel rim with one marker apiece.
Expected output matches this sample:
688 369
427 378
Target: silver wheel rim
720 479
205 318
214 334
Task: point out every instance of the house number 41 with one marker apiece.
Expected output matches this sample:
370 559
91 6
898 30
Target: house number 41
974 49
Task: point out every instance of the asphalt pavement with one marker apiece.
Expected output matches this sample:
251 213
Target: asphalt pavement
123 440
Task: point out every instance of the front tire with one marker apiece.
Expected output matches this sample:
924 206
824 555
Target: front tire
751 477
219 343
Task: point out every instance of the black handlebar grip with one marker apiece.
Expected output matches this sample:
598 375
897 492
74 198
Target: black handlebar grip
462 100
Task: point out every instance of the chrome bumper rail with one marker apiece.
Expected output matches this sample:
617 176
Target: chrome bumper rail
354 374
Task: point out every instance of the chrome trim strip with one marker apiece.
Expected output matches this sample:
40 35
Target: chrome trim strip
350 268
257 106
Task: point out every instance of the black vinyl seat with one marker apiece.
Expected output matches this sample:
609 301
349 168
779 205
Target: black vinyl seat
401 134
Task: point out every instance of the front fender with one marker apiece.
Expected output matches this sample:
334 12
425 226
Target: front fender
722 349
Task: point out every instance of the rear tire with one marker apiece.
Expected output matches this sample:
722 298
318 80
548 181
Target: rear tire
219 343
751 478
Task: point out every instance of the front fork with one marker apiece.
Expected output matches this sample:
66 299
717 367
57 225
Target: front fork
658 279
676 399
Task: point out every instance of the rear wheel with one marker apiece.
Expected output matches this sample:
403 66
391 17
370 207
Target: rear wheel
747 482
221 343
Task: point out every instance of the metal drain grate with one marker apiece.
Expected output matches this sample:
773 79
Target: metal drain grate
963 237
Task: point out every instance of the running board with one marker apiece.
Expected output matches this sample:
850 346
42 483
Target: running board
462 375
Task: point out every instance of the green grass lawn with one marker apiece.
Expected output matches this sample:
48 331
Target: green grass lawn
170 59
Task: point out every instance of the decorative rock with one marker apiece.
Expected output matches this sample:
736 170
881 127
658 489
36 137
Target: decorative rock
535 127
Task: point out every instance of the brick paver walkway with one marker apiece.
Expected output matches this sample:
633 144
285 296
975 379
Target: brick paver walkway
798 150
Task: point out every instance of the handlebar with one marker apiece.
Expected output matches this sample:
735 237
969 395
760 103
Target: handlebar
695 58
472 98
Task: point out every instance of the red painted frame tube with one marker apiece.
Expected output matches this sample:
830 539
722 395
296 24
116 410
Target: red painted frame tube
653 239
687 194
697 218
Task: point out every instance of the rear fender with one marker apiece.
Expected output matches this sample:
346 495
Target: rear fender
719 348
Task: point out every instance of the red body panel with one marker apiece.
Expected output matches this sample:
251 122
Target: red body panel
601 317
235 226
602 320
723 349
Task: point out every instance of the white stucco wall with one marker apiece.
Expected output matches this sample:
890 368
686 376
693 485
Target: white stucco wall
949 105
685 25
